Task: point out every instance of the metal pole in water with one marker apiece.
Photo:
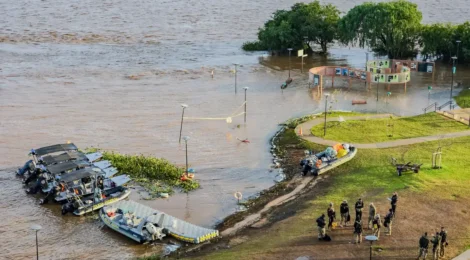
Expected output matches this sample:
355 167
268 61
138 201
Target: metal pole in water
245 88
235 77
182 115
186 138
36 228
289 49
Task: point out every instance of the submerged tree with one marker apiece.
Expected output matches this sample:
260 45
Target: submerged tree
437 40
299 27
389 28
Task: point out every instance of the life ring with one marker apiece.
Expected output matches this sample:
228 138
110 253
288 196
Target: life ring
238 195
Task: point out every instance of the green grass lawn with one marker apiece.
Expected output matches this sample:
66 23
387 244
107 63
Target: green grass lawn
378 130
463 99
369 175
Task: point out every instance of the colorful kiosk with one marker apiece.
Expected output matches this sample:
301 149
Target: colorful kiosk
390 72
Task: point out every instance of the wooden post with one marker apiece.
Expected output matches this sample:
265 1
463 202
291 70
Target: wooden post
333 81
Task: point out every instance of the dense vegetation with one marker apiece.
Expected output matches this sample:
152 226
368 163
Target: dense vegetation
155 174
463 99
389 28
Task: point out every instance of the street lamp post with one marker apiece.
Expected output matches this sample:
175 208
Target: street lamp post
326 108
429 93
236 64
371 239
36 228
186 138
184 106
290 50
452 84
245 88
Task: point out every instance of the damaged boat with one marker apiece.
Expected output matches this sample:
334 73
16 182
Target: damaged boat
144 224
328 159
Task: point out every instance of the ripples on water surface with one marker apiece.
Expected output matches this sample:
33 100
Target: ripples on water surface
63 77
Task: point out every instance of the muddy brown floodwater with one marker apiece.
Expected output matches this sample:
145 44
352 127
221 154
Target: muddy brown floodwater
64 76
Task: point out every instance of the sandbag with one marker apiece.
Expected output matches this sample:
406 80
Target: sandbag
342 153
337 147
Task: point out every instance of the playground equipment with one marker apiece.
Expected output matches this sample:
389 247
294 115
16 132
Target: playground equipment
390 72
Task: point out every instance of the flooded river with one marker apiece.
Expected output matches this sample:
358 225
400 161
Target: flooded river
113 74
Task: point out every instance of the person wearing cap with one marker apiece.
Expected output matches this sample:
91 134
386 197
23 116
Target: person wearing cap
321 226
423 246
331 215
344 210
436 242
372 213
359 205
444 243
358 231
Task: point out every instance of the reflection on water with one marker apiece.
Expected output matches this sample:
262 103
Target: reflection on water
70 89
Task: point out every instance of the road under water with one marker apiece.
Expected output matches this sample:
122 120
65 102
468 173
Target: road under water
65 76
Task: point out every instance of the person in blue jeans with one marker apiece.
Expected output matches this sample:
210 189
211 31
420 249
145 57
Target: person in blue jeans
26 168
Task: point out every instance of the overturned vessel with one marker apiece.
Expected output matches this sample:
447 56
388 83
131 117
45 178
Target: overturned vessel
144 224
328 159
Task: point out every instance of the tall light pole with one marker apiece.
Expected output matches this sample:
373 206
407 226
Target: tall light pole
184 106
326 110
245 88
429 93
378 83
290 50
367 60
36 228
236 64
186 138
452 84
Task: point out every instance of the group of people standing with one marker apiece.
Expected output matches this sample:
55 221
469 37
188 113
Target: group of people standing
438 241
374 221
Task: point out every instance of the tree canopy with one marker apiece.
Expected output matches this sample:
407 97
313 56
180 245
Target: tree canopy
388 28
311 23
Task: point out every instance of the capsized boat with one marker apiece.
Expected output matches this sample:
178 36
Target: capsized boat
144 224
328 159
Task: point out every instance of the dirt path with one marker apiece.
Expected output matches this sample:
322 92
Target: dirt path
309 137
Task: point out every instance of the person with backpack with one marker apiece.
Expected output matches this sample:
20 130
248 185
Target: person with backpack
436 242
344 210
359 205
321 227
394 201
444 243
372 215
358 231
423 246
331 215
376 225
388 222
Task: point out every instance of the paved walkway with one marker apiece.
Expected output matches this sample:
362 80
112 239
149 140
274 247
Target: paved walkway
307 134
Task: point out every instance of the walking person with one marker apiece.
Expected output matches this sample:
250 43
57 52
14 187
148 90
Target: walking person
376 225
444 243
436 242
388 222
423 246
344 210
331 215
394 201
321 227
358 231
372 214
359 205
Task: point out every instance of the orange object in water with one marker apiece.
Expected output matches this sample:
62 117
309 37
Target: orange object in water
184 178
337 147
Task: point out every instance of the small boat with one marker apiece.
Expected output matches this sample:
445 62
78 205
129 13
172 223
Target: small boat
324 161
144 224
359 102
80 206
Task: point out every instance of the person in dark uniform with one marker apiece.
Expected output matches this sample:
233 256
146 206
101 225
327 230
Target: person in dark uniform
444 243
423 246
358 231
394 201
331 215
359 205
436 242
344 210
321 226
388 222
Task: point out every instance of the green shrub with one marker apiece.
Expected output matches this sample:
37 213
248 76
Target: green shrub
253 46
